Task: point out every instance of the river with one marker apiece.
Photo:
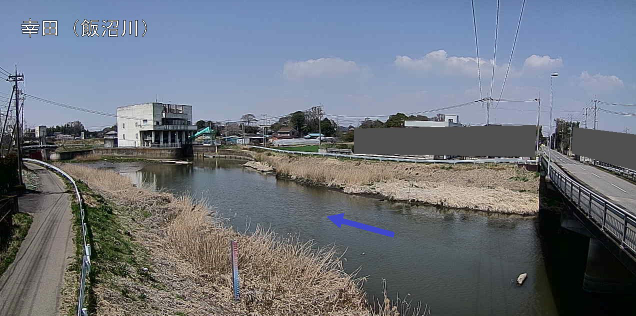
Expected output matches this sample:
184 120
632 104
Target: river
458 262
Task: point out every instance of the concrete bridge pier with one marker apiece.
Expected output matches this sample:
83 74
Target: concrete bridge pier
604 273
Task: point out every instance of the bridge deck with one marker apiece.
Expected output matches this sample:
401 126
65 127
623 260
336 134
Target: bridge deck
619 191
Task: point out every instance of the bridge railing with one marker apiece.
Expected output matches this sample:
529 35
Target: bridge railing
613 220
625 172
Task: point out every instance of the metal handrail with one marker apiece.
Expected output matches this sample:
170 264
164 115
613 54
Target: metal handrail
626 172
613 220
86 258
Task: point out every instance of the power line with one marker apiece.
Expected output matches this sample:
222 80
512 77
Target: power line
617 113
494 56
614 104
6 118
410 113
472 2
5 71
80 109
514 44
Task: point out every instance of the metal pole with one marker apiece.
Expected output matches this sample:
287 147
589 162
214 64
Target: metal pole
571 132
595 111
538 119
550 135
488 111
17 125
319 127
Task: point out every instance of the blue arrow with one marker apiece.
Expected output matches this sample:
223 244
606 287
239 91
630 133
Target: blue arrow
339 220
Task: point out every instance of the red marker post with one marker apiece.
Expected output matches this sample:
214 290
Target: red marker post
235 273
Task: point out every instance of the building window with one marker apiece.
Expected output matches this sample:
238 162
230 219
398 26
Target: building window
123 125
145 121
136 136
123 136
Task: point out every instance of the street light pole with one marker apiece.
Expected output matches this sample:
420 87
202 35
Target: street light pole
554 74
538 120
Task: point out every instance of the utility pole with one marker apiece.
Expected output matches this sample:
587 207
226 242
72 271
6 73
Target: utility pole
265 130
585 117
15 79
488 111
319 126
553 75
595 112
571 130
538 119
318 111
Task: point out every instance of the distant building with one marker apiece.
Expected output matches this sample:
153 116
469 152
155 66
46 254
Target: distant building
314 135
286 132
154 125
40 131
449 120
110 139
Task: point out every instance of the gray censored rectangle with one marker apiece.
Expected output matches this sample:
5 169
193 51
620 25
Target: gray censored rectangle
496 141
610 147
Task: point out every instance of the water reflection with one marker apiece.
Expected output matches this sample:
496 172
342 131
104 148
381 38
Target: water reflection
460 262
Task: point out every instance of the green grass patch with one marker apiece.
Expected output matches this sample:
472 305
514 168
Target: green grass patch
114 253
307 148
520 178
19 230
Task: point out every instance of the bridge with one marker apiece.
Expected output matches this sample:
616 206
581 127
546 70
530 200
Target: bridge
603 208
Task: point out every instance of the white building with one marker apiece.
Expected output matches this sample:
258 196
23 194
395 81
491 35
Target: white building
154 125
450 120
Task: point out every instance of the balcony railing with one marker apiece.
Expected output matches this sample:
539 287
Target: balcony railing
151 127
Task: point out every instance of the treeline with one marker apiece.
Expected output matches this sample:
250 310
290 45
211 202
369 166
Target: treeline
306 122
71 128
397 120
76 128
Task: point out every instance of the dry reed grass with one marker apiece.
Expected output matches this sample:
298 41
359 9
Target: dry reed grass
279 276
495 188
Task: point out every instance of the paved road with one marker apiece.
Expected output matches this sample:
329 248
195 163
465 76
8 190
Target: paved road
32 284
620 191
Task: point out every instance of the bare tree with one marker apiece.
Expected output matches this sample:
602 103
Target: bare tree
248 118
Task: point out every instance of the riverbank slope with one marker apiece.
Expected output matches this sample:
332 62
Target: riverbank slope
498 188
186 251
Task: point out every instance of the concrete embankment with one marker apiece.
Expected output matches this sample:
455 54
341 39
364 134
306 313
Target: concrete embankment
486 187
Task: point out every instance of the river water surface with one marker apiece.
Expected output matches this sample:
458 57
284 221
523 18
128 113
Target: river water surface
457 262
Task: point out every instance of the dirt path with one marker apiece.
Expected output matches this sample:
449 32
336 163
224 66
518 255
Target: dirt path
31 285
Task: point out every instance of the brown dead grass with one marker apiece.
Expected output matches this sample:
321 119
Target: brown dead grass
487 187
279 276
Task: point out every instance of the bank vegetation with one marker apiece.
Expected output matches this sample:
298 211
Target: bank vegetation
502 188
169 255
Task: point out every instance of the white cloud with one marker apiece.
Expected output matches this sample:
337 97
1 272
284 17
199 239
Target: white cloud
439 62
320 68
542 63
599 83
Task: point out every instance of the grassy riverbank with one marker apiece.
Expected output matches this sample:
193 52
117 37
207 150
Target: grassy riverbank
161 254
486 187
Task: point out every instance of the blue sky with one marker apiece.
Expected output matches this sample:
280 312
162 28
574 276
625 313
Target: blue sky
357 58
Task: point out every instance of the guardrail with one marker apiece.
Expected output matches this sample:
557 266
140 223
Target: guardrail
625 172
86 258
389 158
614 221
